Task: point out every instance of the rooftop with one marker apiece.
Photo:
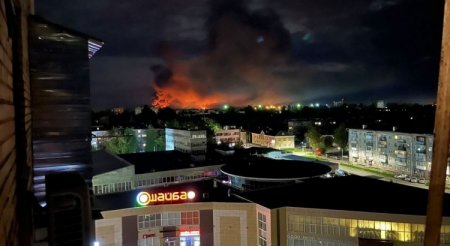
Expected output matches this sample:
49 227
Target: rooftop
270 169
105 161
352 193
165 160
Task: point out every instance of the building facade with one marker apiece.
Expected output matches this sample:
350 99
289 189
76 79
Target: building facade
235 223
296 226
298 126
60 96
186 141
15 124
124 179
124 176
137 139
228 136
281 140
408 153
188 224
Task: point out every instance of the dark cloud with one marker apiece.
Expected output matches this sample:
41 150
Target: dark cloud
121 81
242 50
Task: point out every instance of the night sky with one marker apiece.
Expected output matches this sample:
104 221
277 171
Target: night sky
203 53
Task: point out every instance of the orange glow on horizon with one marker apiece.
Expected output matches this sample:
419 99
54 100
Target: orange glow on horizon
180 93
183 92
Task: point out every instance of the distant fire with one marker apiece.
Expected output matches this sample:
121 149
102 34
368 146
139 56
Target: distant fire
180 93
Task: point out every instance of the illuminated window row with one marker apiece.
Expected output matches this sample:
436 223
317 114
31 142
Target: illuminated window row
168 219
362 228
307 242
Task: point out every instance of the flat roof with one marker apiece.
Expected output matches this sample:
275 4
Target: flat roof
352 193
104 161
272 170
147 162
205 192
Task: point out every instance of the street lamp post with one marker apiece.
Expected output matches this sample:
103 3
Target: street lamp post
342 152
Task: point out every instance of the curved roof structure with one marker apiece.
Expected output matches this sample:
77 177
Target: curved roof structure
263 169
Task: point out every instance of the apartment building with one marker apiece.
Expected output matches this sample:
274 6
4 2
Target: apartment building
400 152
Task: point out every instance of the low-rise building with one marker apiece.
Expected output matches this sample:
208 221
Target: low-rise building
186 141
281 140
118 173
228 135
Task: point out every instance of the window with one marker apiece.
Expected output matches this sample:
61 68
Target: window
262 229
189 218
149 241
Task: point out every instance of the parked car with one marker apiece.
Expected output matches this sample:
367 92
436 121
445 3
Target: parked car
414 180
340 172
407 178
400 176
422 181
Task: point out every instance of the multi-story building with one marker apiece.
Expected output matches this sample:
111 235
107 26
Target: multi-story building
316 212
228 135
186 141
400 152
298 126
60 98
99 138
281 140
207 216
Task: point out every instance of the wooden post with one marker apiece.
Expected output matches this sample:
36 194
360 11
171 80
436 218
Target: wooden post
441 140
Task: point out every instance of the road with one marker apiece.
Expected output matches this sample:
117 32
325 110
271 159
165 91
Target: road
373 175
369 174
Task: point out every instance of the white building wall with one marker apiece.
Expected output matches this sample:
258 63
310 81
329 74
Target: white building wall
409 153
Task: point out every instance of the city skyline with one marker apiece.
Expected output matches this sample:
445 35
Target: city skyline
285 52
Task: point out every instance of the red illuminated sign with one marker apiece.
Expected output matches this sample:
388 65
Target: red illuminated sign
145 198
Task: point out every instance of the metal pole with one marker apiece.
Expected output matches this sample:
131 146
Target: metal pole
441 140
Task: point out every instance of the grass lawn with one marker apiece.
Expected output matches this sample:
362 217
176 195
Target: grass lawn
368 169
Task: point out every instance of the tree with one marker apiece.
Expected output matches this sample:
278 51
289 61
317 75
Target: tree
166 114
313 137
175 124
327 142
212 125
341 136
155 140
122 142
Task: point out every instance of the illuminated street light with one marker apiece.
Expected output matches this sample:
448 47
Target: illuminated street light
225 106
317 105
